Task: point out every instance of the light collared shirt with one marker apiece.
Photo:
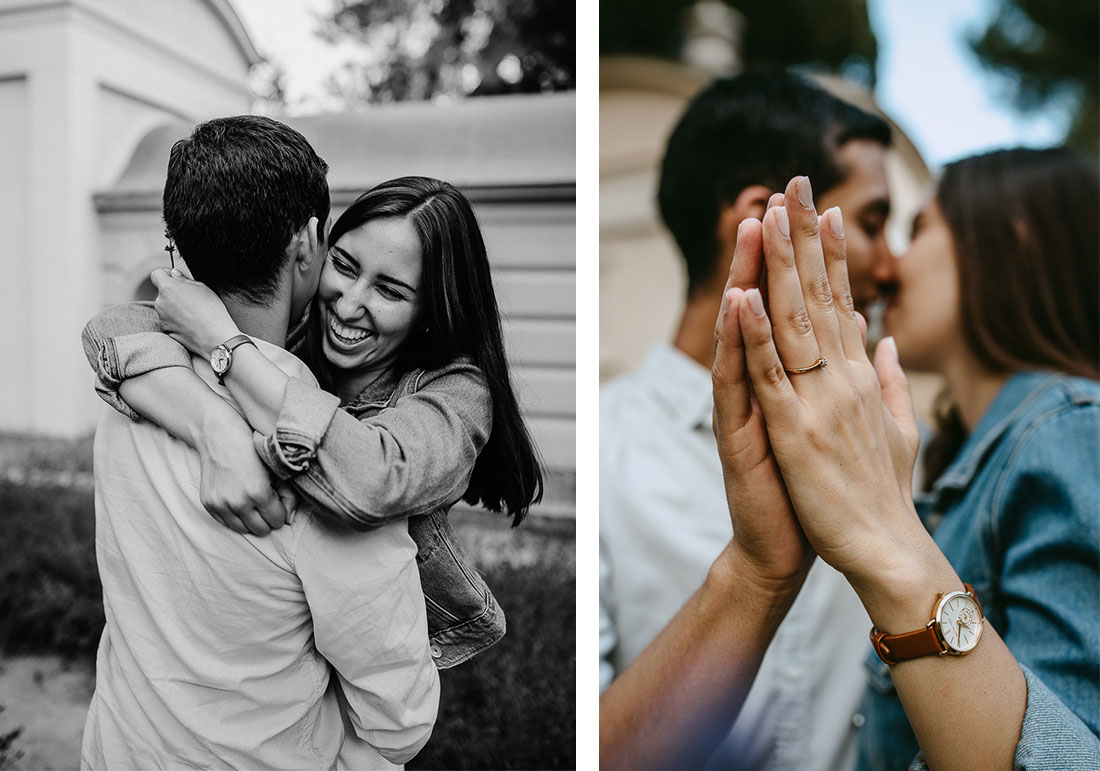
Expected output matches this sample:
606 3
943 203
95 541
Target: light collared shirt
663 521
229 651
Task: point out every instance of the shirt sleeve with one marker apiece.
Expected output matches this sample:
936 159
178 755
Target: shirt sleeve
406 460
125 341
370 623
1046 506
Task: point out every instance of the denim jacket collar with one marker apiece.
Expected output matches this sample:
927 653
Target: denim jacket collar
1015 397
377 394
681 385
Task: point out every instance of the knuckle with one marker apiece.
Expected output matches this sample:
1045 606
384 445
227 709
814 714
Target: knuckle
808 226
798 321
819 290
845 302
773 375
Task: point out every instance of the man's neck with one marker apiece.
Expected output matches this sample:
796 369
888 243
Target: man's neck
695 336
268 322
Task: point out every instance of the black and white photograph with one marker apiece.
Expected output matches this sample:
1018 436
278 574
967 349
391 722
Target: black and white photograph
288 435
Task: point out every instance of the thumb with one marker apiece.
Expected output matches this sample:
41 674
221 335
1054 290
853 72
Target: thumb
896 396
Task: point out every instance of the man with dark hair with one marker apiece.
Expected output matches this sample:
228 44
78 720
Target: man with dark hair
663 520
304 649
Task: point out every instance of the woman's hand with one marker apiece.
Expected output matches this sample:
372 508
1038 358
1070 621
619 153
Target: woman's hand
766 533
843 435
191 313
236 488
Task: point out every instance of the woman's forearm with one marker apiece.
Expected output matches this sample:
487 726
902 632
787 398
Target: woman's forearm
965 711
257 385
177 400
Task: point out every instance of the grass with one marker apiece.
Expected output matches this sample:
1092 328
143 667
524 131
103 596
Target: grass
512 707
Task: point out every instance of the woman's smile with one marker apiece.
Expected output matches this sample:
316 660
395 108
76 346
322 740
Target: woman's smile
347 336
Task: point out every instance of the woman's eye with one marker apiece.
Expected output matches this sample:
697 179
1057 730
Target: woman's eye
342 266
390 293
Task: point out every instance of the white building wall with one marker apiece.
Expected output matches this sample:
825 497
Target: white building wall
80 82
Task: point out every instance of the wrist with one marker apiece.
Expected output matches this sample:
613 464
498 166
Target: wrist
899 589
736 577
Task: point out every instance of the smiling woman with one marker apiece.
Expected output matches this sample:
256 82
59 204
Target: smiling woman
368 299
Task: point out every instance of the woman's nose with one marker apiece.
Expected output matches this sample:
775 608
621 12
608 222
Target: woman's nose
349 308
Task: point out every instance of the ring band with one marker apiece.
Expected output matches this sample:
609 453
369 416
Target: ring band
822 362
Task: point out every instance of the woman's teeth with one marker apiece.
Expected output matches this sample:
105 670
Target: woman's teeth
346 334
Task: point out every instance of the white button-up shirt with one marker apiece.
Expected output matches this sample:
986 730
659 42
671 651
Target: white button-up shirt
663 521
230 651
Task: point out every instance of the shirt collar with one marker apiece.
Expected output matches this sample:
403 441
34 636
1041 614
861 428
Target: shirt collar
680 384
1015 397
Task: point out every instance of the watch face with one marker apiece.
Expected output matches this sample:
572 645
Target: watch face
219 360
960 622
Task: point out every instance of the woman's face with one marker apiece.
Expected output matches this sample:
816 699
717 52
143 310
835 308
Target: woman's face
923 314
369 296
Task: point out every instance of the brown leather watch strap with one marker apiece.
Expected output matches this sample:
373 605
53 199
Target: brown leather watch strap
892 648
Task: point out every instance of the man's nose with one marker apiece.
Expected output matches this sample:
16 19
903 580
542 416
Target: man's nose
884 266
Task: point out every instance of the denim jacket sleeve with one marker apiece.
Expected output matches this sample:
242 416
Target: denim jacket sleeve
125 341
1045 516
408 459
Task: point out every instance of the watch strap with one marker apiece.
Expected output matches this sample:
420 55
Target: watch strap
892 648
235 341
228 346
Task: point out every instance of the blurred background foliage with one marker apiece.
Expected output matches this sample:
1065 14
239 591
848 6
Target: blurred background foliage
1047 54
430 49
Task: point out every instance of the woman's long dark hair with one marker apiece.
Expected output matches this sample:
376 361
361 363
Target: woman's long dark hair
1023 223
458 317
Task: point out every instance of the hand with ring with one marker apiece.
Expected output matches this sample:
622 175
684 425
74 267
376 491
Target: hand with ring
842 431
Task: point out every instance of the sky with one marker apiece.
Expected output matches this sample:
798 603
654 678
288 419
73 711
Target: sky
928 81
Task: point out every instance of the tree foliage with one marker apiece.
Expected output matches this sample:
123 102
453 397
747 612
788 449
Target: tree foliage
834 36
422 49
1050 54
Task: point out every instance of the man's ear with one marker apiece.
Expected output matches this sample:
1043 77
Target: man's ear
306 246
752 201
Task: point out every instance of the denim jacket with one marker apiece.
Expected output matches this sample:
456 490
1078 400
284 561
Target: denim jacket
403 448
1018 515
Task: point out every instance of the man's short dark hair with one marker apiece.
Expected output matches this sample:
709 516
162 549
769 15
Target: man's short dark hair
758 128
237 190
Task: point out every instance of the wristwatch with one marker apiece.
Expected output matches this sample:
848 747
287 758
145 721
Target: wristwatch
955 629
221 358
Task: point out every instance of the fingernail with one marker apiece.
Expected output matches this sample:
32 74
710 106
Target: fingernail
782 222
727 300
805 192
836 222
756 302
891 346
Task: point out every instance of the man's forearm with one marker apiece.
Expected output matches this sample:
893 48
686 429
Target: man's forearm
675 703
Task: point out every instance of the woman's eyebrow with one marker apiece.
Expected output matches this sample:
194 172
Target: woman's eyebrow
345 254
399 282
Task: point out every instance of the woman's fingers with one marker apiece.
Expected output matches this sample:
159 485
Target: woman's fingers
769 380
835 253
806 238
793 331
731 381
748 257
896 396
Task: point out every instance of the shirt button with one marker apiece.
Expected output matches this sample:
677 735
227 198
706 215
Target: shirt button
436 652
858 720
